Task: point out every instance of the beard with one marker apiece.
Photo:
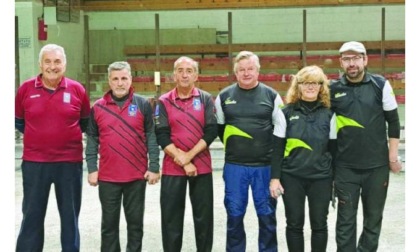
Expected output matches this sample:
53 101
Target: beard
354 74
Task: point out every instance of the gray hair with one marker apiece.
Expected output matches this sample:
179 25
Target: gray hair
246 55
52 48
188 59
119 65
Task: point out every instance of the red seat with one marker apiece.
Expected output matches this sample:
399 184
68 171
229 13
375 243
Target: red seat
333 76
162 79
221 78
399 76
314 57
269 77
205 78
333 57
143 79
400 99
374 56
286 77
396 55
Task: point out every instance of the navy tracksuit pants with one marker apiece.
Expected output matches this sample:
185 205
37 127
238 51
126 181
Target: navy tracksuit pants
37 180
238 179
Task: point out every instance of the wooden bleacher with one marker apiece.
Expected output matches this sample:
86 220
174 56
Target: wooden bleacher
276 70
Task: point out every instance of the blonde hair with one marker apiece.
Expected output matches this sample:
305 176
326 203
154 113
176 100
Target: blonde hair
310 73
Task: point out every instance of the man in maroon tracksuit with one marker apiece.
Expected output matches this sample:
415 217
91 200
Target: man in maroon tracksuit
185 128
52 111
121 131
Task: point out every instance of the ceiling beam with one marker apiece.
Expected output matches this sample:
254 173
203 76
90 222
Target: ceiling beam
149 5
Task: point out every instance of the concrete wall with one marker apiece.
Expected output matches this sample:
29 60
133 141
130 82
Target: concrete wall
107 46
68 35
269 25
27 13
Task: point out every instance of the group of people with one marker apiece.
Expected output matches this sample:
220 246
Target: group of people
330 139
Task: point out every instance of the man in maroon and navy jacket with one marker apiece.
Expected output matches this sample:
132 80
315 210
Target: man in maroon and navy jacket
185 128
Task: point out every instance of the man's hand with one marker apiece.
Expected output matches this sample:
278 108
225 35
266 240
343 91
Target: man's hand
93 178
276 189
151 177
395 166
182 158
190 170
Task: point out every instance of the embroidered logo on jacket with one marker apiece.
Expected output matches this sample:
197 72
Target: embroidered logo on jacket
66 97
294 118
197 104
132 110
339 95
157 111
229 101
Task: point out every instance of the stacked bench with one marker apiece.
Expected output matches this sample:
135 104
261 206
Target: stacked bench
276 71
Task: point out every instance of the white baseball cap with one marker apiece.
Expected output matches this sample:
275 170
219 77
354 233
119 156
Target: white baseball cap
353 46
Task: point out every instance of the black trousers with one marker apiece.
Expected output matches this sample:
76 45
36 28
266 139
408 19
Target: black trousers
132 195
371 185
172 202
37 180
318 193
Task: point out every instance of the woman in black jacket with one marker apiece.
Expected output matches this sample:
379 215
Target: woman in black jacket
302 157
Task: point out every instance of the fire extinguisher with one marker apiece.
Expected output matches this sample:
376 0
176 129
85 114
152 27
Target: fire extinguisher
42 29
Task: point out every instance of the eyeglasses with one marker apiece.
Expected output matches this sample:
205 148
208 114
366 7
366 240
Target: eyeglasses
350 59
308 84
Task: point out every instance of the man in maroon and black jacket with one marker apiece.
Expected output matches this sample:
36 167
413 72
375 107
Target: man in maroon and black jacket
121 131
185 128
